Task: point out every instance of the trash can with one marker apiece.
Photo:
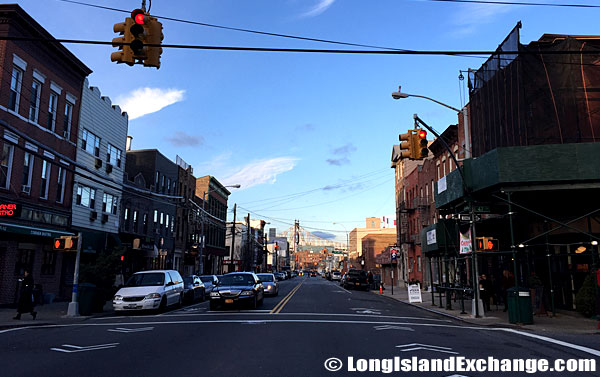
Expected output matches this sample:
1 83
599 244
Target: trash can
86 298
519 306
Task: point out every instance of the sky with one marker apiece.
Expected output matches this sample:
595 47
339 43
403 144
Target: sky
308 136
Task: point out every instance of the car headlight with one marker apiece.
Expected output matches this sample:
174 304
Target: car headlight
247 293
214 294
118 298
153 295
267 287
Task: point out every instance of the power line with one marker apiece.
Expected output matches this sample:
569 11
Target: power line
489 2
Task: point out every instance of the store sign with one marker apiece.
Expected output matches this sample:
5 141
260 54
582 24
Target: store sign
431 237
466 246
10 210
414 293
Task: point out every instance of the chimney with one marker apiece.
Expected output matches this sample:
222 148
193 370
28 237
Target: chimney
128 144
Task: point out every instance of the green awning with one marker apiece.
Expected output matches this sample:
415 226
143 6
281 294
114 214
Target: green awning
32 230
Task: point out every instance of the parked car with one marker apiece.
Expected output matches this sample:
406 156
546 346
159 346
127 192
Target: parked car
238 288
327 275
336 275
313 274
209 281
269 282
356 279
155 289
193 289
279 275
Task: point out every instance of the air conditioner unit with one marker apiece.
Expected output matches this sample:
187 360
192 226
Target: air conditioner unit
93 215
109 168
104 218
26 189
98 163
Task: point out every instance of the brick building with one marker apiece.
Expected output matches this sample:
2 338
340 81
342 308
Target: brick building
40 96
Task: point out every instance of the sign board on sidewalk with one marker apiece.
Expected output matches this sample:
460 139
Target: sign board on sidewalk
466 246
414 293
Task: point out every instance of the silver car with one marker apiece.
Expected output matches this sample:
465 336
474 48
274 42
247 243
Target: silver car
270 283
210 282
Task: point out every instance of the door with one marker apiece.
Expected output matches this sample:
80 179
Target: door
169 288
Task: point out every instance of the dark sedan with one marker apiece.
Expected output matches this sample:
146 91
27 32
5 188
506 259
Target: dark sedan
193 289
237 288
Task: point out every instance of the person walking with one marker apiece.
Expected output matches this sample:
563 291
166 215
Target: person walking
25 304
508 281
370 280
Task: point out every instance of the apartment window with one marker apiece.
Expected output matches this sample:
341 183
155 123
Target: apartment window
172 225
49 262
155 217
6 158
438 171
90 143
27 170
126 218
109 203
167 222
15 89
444 166
113 156
46 166
67 120
60 185
419 263
449 164
161 218
163 183
135 221
156 180
432 190
52 104
34 103
86 196
145 223
169 185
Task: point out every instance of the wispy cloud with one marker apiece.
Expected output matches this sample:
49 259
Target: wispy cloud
324 235
261 172
318 8
145 101
471 16
182 139
341 155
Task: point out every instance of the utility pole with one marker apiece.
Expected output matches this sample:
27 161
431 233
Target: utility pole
233 235
73 309
249 255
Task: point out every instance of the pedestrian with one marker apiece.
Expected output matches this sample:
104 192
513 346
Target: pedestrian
508 281
25 304
370 279
485 291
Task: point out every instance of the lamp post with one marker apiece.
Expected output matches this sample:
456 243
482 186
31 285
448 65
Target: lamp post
398 95
347 240
204 220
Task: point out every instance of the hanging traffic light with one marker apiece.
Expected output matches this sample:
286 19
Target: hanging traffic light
138 34
154 40
422 150
124 55
406 148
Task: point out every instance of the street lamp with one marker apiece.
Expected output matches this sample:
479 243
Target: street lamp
347 240
204 220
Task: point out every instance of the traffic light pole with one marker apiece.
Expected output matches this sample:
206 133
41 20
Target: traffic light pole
73 310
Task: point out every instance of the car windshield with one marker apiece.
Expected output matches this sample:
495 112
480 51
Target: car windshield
241 279
266 277
357 273
206 279
188 280
144 280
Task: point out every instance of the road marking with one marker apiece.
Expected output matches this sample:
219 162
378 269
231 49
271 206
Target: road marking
254 323
426 347
127 331
85 348
284 301
392 327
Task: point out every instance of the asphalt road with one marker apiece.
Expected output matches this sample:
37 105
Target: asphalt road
292 334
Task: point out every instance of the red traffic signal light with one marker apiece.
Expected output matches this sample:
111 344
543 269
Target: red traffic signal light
138 16
65 243
122 258
57 243
422 134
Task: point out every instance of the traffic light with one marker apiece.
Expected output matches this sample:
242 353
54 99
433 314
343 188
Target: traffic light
65 243
487 244
406 147
138 34
420 145
125 54
154 37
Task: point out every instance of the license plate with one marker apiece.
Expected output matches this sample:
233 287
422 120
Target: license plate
357 283
229 301
130 306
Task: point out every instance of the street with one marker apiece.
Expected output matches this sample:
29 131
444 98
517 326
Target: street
292 334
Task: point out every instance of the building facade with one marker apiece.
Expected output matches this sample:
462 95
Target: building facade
40 98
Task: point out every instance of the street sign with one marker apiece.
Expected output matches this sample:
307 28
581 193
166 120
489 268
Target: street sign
394 255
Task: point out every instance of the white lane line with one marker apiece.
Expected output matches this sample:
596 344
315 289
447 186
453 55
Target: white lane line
127 331
198 322
83 348
390 327
428 349
424 345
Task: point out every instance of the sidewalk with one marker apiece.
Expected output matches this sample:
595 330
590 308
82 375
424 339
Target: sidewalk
48 314
563 322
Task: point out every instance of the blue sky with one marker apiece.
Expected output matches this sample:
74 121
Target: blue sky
284 123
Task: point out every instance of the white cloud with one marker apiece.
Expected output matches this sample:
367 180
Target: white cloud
319 8
260 172
471 16
144 101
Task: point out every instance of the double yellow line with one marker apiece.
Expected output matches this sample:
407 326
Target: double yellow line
285 300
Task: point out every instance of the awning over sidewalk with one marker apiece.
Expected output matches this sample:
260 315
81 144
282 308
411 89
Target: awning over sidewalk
32 230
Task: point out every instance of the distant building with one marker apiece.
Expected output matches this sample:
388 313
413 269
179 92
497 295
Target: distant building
372 226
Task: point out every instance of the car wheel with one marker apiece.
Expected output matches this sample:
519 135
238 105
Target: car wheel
180 303
255 303
203 296
163 304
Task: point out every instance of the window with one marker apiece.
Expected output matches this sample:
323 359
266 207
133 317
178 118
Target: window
15 89
135 221
52 104
126 218
24 261
167 222
90 143
86 196
6 156
60 185
109 203
34 103
419 263
46 166
113 156
67 120
145 223
161 218
27 169
444 167
169 185
163 183
156 180
155 217
49 262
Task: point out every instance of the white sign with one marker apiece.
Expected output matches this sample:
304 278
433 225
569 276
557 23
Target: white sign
431 238
466 246
414 293
442 184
